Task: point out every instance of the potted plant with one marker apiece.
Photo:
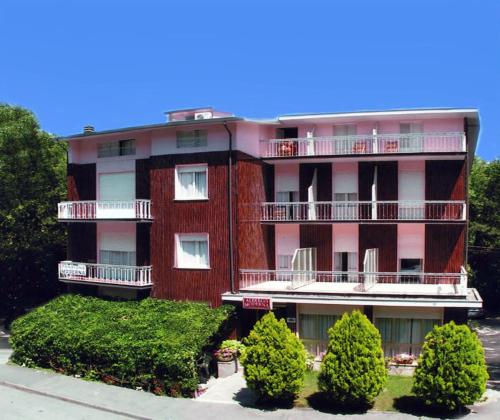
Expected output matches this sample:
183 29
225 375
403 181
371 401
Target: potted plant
226 362
228 356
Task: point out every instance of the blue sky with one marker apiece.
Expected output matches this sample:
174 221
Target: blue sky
114 63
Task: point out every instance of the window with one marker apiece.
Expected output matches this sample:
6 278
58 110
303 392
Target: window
117 257
345 142
344 130
192 251
287 196
313 330
345 261
343 210
192 138
287 211
191 182
285 262
411 264
346 196
120 258
116 148
413 142
404 335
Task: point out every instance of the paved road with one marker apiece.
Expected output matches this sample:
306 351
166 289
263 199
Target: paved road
489 333
17 404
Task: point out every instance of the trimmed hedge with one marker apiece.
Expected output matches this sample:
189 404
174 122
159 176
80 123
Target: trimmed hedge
274 360
353 370
152 344
451 371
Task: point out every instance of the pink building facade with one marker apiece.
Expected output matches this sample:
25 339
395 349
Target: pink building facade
308 215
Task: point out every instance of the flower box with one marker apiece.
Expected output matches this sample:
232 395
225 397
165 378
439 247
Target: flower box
225 369
402 369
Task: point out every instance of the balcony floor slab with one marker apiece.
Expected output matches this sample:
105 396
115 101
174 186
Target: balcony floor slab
385 289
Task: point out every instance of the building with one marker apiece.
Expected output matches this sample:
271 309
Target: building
311 215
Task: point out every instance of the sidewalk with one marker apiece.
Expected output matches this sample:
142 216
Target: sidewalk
115 402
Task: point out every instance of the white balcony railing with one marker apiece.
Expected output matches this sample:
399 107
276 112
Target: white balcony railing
354 282
90 210
365 144
119 275
362 210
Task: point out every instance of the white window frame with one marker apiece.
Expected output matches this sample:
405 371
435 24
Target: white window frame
198 237
186 169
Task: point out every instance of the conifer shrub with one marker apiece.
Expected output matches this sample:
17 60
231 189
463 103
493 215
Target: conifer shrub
353 370
451 371
151 344
274 361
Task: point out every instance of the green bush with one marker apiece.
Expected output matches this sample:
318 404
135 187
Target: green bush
274 360
451 371
152 344
353 370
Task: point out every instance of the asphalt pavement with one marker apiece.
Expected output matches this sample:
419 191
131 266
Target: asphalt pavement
489 333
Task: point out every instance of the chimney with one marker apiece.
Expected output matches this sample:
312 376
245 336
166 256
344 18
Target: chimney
88 129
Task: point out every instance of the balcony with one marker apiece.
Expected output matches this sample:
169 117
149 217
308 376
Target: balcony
332 282
365 144
104 210
332 211
104 274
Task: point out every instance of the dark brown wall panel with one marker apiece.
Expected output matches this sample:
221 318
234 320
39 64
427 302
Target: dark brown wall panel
445 180
143 236
319 237
365 180
387 186
383 237
81 180
82 242
142 181
255 241
444 248
387 181
324 180
171 217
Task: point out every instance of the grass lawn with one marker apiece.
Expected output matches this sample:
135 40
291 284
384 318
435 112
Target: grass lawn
397 386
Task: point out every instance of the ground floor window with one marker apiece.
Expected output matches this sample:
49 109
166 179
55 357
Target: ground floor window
313 330
404 335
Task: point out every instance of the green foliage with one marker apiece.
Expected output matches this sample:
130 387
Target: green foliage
235 345
274 360
484 230
451 371
353 370
152 344
33 181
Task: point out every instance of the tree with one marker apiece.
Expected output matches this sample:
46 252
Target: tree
274 360
32 173
484 230
451 371
353 370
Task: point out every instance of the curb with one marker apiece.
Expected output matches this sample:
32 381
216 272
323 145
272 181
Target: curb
71 400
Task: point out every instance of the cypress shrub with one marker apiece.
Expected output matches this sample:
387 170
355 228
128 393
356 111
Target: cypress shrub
274 360
152 344
353 370
451 371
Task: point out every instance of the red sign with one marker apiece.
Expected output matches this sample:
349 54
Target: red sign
263 303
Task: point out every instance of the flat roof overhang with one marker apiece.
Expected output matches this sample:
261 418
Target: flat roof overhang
471 300
149 127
